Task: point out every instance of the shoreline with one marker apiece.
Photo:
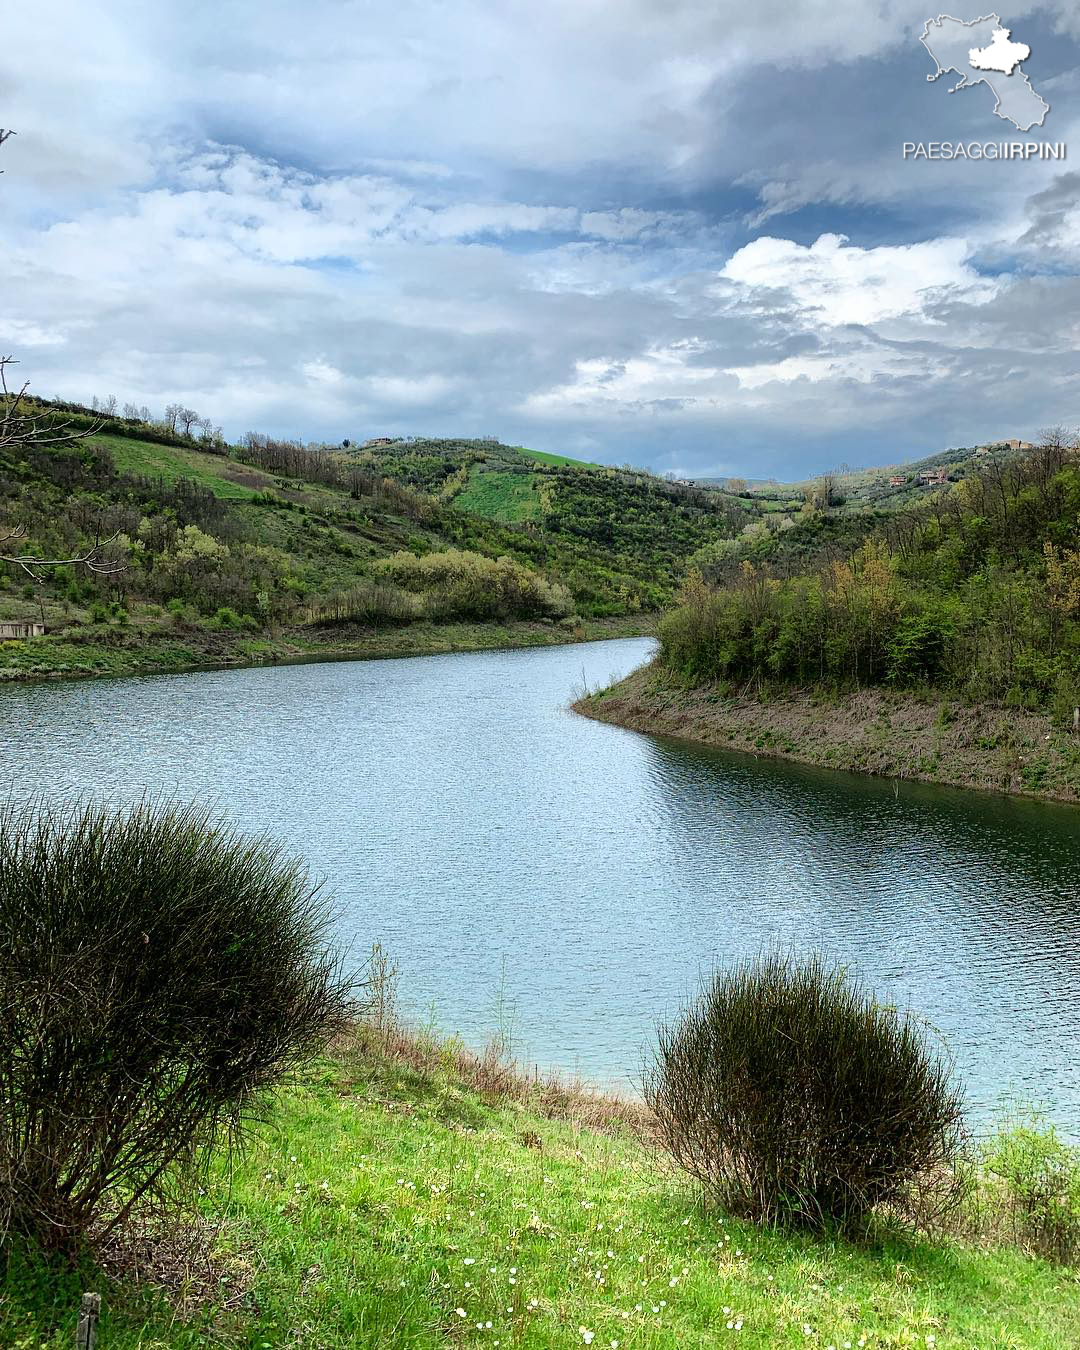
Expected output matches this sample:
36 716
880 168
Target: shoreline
125 653
883 733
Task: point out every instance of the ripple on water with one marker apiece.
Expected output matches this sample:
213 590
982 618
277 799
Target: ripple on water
574 880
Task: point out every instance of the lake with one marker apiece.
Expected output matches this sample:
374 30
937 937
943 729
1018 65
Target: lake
569 882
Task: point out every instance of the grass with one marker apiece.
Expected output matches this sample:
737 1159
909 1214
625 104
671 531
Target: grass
501 494
545 457
155 646
417 1198
222 476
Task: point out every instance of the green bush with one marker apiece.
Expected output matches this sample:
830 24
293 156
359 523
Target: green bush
1040 1179
792 1096
457 584
226 617
160 973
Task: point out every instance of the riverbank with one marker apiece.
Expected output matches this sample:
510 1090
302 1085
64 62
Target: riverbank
406 1194
166 648
883 732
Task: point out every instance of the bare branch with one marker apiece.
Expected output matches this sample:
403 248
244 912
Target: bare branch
23 424
91 560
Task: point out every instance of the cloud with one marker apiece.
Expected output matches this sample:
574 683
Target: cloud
841 284
482 218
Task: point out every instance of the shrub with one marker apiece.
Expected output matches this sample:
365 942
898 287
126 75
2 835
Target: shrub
160 973
1039 1176
457 584
367 602
793 1097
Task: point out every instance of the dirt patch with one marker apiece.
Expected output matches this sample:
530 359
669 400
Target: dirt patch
891 734
249 478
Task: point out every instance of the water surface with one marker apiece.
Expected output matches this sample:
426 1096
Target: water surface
570 881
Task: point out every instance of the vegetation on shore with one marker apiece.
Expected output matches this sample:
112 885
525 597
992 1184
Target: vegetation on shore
974 593
208 554
945 646
153 644
405 1193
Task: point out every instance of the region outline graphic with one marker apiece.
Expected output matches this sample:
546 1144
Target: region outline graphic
953 50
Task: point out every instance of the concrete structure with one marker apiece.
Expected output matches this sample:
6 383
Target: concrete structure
933 477
898 480
16 629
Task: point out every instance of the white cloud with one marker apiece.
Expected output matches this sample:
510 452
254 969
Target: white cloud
488 217
841 284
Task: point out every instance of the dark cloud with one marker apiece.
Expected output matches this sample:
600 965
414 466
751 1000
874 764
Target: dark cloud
681 235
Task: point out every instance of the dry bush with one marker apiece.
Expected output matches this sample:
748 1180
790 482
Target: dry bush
793 1097
160 973
492 1076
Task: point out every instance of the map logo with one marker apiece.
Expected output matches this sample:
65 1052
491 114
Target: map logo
982 52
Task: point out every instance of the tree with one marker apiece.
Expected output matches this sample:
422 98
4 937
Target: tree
24 425
187 417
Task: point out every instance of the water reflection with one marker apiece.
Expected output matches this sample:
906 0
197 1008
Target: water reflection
492 840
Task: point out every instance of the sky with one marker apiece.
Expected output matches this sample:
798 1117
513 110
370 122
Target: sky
681 235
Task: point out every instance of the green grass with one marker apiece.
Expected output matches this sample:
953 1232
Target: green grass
224 477
385 1205
501 494
150 646
545 457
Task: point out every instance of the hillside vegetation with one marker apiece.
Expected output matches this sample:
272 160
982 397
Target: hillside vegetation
271 548
940 641
975 590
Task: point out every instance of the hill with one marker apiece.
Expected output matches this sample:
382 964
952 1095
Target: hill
270 549
938 641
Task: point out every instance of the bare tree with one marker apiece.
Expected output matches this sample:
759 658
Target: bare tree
187 417
25 424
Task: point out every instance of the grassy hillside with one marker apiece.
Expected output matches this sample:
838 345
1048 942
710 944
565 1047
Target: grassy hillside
500 494
271 549
419 1197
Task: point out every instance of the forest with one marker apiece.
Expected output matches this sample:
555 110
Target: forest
973 590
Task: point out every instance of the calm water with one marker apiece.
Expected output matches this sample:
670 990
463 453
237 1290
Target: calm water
570 880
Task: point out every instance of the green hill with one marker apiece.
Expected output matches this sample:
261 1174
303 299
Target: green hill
937 641
272 549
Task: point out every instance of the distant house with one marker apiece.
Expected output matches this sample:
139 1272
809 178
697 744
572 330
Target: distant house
1014 444
379 440
12 630
933 477
898 480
